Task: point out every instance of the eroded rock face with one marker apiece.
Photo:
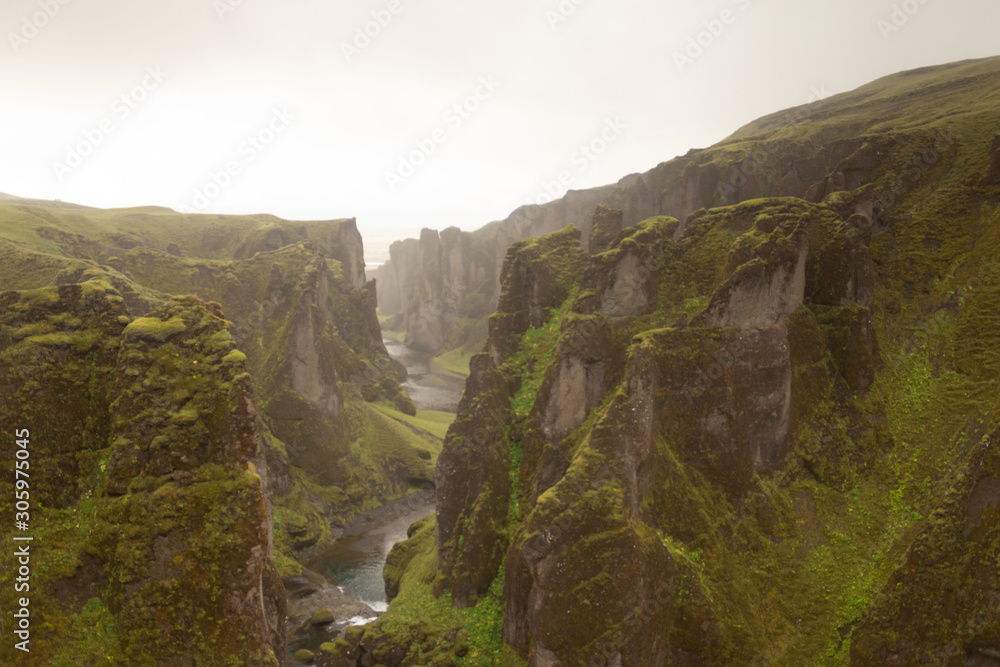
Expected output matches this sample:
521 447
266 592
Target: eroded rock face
723 396
458 274
214 468
538 274
578 387
473 487
625 277
312 337
678 188
604 227
844 272
583 367
170 484
348 247
587 580
726 399
564 606
760 291
735 496
853 344
451 271
313 378
397 276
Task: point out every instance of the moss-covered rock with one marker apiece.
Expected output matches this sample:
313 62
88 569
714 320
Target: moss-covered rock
538 274
399 558
302 319
305 656
473 487
604 227
162 510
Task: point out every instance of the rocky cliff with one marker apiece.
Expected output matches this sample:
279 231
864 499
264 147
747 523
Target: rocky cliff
151 502
315 393
444 282
772 157
754 428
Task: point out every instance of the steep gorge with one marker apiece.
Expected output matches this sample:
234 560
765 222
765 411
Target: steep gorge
753 427
738 410
173 503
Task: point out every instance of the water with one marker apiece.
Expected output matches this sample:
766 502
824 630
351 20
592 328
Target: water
429 390
356 562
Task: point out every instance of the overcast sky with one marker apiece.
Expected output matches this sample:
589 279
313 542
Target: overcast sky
419 113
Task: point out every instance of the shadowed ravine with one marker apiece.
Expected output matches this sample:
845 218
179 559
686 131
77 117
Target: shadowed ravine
356 560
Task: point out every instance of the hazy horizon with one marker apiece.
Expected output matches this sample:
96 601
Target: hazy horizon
409 115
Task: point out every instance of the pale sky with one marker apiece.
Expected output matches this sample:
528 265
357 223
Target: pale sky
444 113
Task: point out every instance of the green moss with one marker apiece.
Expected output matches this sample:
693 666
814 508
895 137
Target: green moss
428 421
454 361
234 357
154 329
304 656
91 639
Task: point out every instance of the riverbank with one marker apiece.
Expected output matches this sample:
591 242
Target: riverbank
431 385
343 585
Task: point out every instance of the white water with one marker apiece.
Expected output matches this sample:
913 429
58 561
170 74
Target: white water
356 563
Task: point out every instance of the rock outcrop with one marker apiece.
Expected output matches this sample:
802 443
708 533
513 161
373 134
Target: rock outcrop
604 227
765 288
473 488
763 159
160 506
538 275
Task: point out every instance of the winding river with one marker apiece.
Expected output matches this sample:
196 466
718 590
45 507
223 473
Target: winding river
356 560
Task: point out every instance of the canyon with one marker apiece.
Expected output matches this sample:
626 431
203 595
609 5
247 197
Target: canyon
736 410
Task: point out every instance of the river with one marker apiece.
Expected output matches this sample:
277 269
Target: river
428 389
356 560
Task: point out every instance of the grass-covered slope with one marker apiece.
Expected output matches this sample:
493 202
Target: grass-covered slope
758 434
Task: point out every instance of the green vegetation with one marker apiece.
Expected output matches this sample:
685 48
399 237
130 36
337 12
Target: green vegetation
429 421
783 491
91 639
151 398
883 499
454 361
429 630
